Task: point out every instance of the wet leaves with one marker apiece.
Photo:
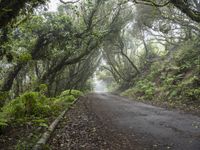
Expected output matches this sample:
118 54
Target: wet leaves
84 130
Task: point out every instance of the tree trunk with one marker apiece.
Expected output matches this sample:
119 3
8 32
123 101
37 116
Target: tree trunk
7 85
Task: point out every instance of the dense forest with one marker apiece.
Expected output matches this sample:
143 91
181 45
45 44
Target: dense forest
148 50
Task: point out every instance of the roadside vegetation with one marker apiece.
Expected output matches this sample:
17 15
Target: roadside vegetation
174 82
30 114
156 58
34 107
147 49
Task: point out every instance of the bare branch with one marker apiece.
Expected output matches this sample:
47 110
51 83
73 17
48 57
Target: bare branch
69 2
149 2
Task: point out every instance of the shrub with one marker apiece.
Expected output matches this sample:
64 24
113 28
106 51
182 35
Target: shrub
75 93
43 88
24 57
3 121
130 92
70 98
187 54
61 103
143 89
3 97
147 87
35 105
28 105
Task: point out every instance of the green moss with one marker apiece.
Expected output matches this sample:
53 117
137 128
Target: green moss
70 98
24 57
75 93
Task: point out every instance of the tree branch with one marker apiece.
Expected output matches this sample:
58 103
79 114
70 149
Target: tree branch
69 2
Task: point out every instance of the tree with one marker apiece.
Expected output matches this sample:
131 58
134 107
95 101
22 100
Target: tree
57 41
191 9
11 9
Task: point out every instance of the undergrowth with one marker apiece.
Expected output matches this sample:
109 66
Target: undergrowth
35 107
175 81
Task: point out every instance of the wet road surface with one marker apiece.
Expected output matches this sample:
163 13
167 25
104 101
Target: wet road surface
153 125
130 125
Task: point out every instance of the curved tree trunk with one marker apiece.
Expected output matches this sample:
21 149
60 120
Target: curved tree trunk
184 7
8 82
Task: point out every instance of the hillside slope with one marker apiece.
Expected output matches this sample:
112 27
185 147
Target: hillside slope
174 80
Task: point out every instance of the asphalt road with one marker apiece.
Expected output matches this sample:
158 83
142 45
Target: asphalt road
152 127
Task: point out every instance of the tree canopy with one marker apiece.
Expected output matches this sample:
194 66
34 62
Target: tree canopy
147 48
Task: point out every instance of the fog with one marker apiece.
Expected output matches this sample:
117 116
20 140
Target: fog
99 85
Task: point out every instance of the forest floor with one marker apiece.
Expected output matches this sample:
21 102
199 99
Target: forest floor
102 121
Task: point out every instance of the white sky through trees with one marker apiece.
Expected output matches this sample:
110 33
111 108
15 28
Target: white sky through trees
53 4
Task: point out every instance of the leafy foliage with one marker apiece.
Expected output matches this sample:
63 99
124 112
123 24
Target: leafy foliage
34 106
176 82
144 89
75 93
